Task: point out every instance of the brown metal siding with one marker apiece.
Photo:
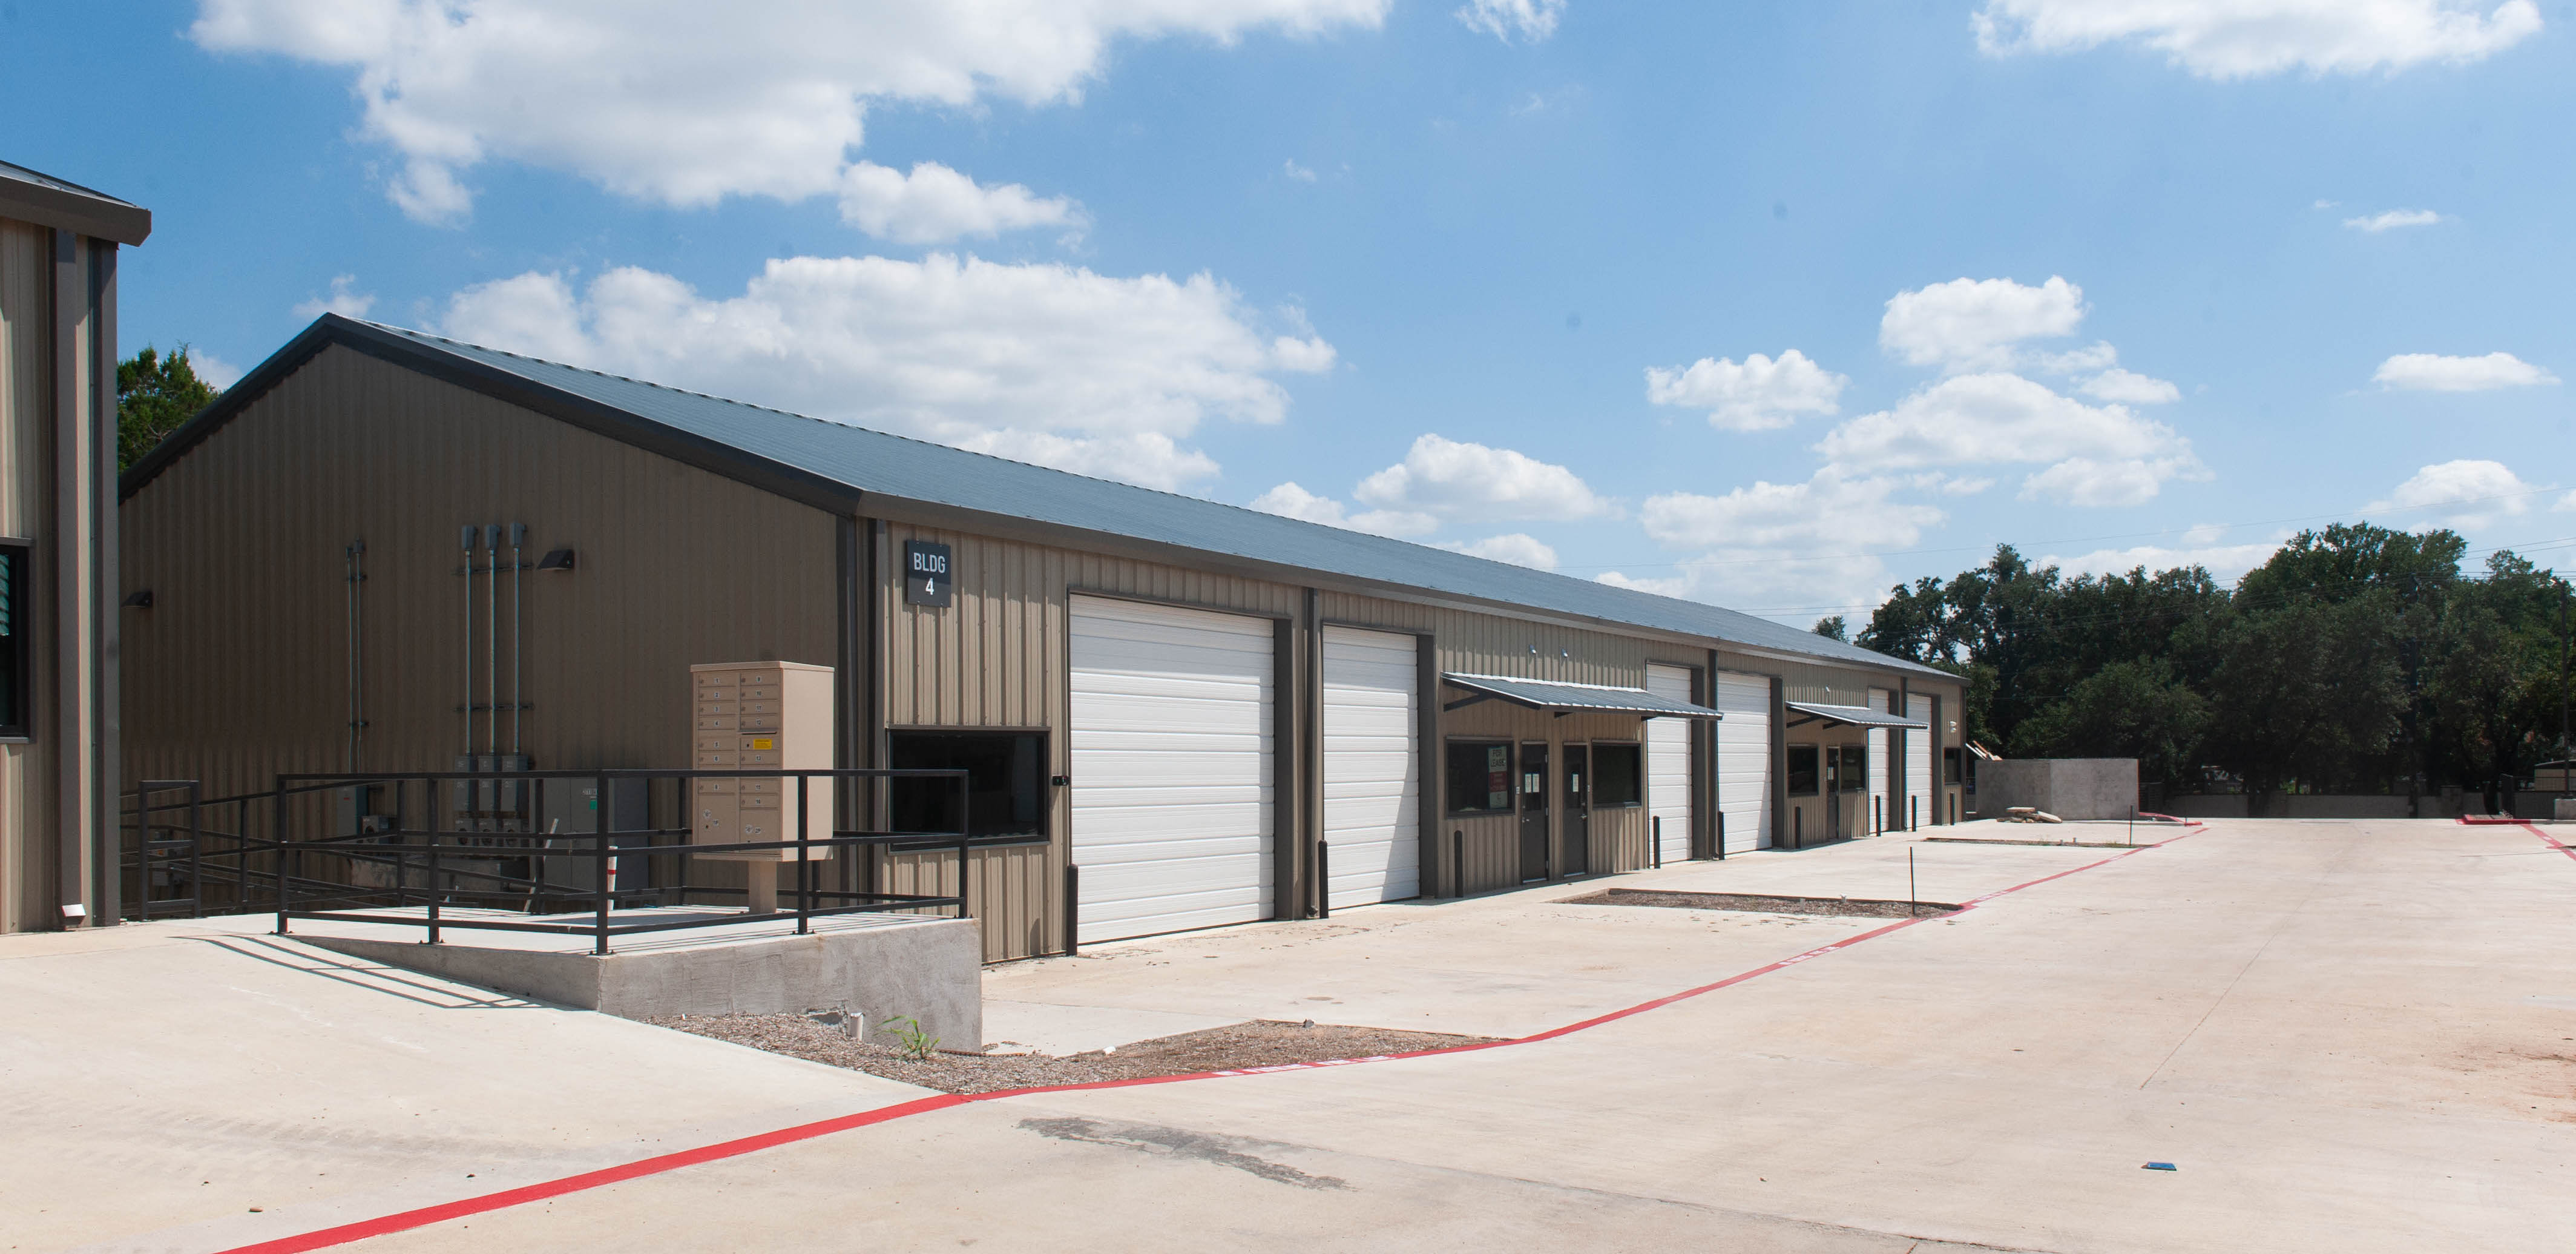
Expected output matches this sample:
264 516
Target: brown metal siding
240 669
29 860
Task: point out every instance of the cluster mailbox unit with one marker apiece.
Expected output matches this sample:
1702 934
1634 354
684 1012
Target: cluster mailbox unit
754 716
1169 713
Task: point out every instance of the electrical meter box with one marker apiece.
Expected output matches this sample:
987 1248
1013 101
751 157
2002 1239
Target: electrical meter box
759 716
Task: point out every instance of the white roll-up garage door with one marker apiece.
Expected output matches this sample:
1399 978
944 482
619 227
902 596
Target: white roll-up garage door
1372 767
1918 765
1668 766
1171 751
1878 817
1744 760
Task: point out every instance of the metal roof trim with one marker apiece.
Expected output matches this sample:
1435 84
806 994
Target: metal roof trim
34 196
836 465
1854 715
1542 695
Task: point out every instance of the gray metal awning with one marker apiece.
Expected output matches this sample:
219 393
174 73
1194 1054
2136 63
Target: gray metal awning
1568 698
1851 716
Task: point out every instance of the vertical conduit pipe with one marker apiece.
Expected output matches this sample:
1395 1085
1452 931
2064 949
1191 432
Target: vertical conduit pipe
492 641
467 744
518 537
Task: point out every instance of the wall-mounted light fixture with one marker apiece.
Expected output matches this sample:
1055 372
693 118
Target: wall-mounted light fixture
559 559
141 599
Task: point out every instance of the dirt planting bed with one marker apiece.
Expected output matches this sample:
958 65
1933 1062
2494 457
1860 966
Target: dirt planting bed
1259 1043
1839 907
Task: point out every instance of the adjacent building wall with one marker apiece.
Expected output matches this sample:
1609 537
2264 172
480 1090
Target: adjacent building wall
58 783
242 667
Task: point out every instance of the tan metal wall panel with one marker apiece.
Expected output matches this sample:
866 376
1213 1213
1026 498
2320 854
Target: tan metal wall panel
240 669
28 858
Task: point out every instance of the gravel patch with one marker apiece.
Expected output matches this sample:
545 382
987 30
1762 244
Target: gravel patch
1259 1043
1840 907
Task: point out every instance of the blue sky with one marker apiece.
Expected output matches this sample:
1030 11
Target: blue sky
1491 275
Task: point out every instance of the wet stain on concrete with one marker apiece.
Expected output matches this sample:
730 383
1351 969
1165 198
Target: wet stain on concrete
1178 1143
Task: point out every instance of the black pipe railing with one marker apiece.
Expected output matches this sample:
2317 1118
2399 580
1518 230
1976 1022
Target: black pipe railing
272 870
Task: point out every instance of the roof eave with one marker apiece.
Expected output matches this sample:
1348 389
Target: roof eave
87 213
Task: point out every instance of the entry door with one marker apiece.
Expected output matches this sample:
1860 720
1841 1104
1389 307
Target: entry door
1670 804
1372 768
1879 814
1744 761
1834 792
1534 824
1578 809
1171 757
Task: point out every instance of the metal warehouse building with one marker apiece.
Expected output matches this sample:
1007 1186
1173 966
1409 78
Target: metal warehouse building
385 551
58 616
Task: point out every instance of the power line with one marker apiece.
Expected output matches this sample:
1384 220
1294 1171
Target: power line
2123 535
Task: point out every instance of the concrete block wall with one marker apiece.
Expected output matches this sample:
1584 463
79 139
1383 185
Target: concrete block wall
2070 788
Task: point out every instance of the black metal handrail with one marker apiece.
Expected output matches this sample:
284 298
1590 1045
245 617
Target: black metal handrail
460 872
604 846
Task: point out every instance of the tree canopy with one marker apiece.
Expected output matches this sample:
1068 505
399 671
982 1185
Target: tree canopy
2357 658
154 395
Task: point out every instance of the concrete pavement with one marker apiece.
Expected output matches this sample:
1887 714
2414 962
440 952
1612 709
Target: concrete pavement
2349 1036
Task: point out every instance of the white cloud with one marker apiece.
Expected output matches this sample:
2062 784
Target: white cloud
1299 172
2565 503
1529 20
2129 388
2464 495
1054 363
1975 324
935 204
2200 547
2393 219
1515 548
1289 500
1803 544
2243 38
2096 455
2432 372
345 300
1758 395
684 102
215 371
1453 479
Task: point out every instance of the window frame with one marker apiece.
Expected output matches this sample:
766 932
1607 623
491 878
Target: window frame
1951 774
1854 780
1815 770
1511 775
1593 797
17 725
1045 785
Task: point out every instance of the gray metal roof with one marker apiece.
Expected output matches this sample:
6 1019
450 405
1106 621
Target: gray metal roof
1545 696
1855 715
48 201
813 453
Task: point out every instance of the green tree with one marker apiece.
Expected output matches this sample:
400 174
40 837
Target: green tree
2132 709
1831 628
154 396
2304 689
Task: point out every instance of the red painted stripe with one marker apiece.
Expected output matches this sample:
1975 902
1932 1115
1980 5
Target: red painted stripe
463 1207
2550 840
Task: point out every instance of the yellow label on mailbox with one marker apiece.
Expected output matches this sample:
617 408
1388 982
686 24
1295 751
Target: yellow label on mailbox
763 742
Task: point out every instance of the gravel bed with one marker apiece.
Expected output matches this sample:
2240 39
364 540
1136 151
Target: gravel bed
1840 907
1259 1043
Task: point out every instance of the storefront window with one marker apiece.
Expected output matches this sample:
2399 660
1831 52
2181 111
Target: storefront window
1855 773
1618 776
1802 770
1005 782
1480 777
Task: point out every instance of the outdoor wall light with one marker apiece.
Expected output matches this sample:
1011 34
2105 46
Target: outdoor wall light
559 559
141 600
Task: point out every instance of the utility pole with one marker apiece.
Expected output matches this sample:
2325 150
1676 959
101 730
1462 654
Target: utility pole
2566 747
